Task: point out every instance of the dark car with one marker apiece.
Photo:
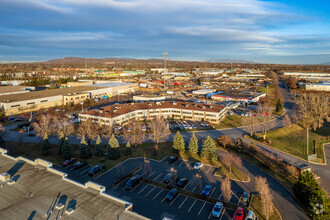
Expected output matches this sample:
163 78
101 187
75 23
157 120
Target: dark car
32 134
69 162
93 171
245 196
79 164
133 181
182 182
168 178
172 159
207 190
171 194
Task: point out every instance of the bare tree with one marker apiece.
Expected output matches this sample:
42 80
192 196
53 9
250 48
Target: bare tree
44 125
265 116
226 188
231 160
63 125
88 129
250 123
225 141
159 130
266 196
134 133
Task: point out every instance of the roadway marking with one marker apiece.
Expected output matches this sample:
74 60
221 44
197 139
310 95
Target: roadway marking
239 201
212 191
223 213
69 166
157 177
194 189
175 162
174 199
135 186
220 195
183 202
150 191
201 208
208 170
186 185
142 189
181 163
84 171
157 194
152 174
192 205
163 199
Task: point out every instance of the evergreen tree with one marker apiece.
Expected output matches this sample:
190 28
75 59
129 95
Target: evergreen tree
209 150
279 105
193 144
60 143
113 148
128 149
178 143
98 147
45 146
66 149
85 151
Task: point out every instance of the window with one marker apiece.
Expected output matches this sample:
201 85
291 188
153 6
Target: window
15 106
30 103
44 101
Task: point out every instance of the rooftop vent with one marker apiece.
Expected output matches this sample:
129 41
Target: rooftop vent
174 103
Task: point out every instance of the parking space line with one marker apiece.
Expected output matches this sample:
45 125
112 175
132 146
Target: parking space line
174 199
157 194
152 174
135 187
194 189
201 208
208 169
150 191
210 214
223 212
192 205
181 163
142 189
175 162
84 171
157 177
220 195
186 185
239 201
183 202
212 191
69 166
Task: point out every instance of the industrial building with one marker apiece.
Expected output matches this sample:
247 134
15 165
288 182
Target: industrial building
122 113
239 96
318 86
32 101
9 90
148 98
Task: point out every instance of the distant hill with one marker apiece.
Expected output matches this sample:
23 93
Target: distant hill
228 61
326 63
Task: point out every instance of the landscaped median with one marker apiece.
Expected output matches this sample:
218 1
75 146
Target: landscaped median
292 140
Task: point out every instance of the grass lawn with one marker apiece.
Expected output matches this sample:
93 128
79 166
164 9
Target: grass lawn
235 174
230 121
292 139
270 94
256 207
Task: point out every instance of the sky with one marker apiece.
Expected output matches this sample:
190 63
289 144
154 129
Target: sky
282 31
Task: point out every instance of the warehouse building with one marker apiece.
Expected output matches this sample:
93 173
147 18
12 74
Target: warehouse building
122 113
32 101
239 96
318 86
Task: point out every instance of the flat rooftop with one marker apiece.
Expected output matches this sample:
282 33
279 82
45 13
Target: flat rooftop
8 89
119 109
37 191
44 94
112 84
245 95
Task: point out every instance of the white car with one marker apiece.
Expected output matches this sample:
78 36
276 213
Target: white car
185 126
198 166
190 127
217 209
250 216
204 124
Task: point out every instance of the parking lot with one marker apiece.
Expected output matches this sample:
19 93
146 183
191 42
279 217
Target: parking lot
150 201
181 124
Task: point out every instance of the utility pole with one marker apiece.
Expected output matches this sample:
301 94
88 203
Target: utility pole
307 141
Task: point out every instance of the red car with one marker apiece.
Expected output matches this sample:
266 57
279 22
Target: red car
239 214
68 162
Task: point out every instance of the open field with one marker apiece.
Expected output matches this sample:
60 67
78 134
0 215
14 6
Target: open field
292 139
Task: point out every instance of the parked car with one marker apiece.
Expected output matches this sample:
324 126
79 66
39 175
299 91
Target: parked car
79 165
207 190
185 126
95 169
217 209
172 159
198 166
194 127
168 178
69 162
239 214
133 181
250 216
245 196
181 182
11 119
181 127
32 134
190 127
171 194
204 124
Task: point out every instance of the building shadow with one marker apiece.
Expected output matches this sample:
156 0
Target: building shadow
16 168
32 214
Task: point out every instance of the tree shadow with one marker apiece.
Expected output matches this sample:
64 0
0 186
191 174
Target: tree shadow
32 214
15 178
15 168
